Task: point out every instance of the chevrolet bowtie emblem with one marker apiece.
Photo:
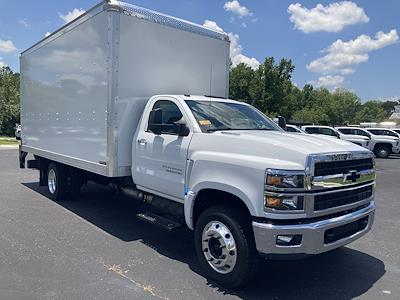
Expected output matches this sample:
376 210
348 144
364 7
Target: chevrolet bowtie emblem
351 176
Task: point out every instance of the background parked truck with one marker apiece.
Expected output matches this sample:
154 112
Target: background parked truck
136 100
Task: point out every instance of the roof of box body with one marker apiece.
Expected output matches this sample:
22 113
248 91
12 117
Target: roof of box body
167 20
142 13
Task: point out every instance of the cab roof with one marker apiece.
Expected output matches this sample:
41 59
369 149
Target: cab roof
208 98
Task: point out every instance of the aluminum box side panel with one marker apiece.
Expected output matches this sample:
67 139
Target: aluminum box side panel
64 93
157 59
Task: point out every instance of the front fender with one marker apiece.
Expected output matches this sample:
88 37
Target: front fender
244 182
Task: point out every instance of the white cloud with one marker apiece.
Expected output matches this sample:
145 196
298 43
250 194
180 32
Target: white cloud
236 53
24 23
7 46
71 15
235 48
331 18
47 34
342 57
329 81
212 25
236 8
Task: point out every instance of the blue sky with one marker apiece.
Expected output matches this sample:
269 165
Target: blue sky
308 32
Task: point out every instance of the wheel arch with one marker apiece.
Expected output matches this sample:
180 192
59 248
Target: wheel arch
383 144
211 195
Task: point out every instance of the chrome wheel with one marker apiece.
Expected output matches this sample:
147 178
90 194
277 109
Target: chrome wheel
51 181
219 247
383 152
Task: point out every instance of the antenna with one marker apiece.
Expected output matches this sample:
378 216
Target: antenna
211 73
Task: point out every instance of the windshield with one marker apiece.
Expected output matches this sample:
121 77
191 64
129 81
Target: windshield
214 116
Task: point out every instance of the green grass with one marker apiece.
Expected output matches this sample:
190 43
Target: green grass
8 141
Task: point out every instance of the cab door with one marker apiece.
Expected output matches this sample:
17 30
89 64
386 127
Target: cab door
160 159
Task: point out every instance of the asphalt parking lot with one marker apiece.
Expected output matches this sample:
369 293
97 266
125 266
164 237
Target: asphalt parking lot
94 248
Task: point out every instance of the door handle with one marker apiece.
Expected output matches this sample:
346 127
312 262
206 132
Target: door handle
142 142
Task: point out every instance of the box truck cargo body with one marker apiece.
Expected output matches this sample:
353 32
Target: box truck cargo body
85 86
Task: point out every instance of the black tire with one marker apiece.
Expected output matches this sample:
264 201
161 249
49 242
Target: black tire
247 261
382 151
57 182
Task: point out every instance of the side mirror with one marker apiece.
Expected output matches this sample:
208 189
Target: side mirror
181 127
282 122
155 121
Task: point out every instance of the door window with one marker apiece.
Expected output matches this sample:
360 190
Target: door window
327 131
312 130
389 133
345 130
170 114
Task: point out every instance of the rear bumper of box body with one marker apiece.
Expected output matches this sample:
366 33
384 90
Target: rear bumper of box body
313 234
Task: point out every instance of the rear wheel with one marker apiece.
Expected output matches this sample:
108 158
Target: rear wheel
225 246
56 182
382 151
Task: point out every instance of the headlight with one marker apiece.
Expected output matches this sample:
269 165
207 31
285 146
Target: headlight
277 182
283 179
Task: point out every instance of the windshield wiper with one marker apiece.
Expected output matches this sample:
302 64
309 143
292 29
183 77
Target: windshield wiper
219 129
267 129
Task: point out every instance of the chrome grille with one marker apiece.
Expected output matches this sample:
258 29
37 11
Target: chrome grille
342 198
342 167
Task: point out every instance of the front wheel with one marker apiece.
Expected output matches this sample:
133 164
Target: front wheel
225 246
382 152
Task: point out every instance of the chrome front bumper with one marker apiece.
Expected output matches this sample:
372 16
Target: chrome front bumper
313 234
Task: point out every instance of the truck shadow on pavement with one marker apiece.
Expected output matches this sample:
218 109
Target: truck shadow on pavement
340 274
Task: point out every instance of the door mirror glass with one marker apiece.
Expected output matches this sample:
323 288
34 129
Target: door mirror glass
181 128
155 121
158 126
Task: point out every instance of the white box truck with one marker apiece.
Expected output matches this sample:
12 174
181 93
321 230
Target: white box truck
136 100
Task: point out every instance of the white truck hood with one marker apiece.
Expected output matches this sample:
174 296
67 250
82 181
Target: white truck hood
348 137
272 149
384 138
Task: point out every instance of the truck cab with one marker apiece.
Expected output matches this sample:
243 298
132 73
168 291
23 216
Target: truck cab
363 141
232 163
381 144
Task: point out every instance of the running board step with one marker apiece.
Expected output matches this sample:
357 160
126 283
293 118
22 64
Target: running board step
158 221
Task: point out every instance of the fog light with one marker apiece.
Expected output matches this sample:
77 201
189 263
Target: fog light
288 240
273 202
284 202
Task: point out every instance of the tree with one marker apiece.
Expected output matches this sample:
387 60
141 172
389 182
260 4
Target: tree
9 100
343 107
240 81
371 111
311 115
388 106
